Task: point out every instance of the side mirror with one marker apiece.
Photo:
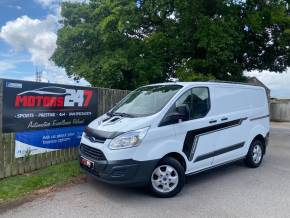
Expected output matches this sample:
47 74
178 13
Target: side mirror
180 113
184 111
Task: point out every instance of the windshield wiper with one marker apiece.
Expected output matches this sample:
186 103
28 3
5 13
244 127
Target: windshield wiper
120 114
109 114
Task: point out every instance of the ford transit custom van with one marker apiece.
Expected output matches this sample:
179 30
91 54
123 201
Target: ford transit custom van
160 133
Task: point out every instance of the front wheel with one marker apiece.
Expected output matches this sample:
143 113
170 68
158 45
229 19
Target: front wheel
167 178
255 154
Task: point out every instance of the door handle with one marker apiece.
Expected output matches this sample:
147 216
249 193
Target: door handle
224 119
212 121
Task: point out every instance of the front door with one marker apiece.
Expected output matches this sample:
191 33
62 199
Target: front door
198 139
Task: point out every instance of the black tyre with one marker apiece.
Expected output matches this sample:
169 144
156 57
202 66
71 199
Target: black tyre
255 154
168 178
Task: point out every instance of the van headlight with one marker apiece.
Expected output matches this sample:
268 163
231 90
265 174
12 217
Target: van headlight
128 139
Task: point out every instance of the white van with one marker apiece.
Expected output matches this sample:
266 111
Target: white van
160 133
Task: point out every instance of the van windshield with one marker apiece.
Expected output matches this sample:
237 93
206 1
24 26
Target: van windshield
145 101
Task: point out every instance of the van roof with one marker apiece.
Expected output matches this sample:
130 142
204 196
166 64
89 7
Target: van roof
210 83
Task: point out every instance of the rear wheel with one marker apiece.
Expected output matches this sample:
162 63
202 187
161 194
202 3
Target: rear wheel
255 154
167 178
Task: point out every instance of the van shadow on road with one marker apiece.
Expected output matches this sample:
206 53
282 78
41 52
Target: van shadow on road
123 193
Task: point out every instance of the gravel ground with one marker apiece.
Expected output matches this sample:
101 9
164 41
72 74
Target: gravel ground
229 191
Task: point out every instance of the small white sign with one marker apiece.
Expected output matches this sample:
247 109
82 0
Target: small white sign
14 85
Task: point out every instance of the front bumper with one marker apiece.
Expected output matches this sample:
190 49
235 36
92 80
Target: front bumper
122 172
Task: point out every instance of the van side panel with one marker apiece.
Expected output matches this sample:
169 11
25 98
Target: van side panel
240 103
233 99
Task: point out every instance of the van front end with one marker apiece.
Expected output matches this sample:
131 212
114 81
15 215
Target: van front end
125 146
102 157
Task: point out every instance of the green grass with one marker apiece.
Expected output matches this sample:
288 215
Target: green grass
19 186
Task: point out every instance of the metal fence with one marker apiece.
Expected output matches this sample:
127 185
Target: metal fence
280 110
10 166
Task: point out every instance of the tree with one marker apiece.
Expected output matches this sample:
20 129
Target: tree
128 43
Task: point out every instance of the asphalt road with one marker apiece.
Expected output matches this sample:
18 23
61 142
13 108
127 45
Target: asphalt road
230 191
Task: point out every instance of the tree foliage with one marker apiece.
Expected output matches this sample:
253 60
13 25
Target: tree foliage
128 43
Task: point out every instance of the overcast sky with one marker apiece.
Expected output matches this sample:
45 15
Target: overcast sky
28 36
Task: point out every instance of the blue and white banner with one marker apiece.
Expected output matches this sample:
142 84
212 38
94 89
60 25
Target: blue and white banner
41 141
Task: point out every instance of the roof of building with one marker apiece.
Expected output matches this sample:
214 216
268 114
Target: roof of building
255 81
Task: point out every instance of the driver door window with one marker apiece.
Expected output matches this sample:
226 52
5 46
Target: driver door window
198 102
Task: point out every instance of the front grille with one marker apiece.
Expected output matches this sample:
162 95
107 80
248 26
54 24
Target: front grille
91 152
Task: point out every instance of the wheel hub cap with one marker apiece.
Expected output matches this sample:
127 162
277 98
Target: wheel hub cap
257 154
164 178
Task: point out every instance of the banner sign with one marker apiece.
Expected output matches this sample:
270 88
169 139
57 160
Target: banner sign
41 141
34 105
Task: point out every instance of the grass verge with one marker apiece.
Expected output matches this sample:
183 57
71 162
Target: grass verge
16 187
